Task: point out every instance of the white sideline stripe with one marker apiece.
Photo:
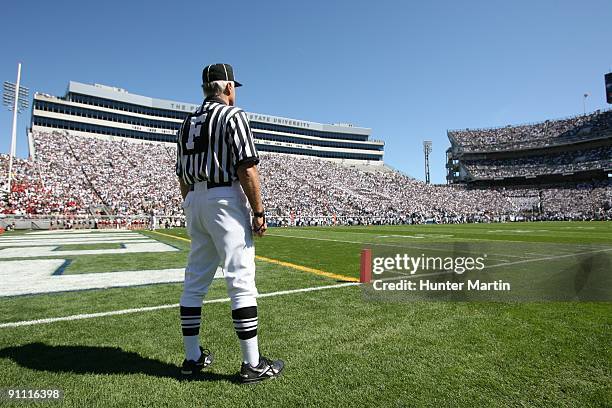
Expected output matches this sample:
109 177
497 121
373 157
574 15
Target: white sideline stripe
83 231
380 244
50 251
455 238
161 307
28 237
67 238
75 242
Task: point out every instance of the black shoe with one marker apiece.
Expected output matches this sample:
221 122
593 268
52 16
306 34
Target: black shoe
264 370
191 367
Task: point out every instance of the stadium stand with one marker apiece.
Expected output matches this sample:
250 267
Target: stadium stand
582 128
574 150
79 175
574 161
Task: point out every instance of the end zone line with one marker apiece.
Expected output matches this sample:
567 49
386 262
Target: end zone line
161 307
283 263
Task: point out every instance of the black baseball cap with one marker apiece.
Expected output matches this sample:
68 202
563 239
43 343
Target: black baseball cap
219 72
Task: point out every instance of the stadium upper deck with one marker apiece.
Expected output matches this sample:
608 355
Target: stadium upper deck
555 132
572 149
105 111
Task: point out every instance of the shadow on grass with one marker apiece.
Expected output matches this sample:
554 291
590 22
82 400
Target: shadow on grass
97 360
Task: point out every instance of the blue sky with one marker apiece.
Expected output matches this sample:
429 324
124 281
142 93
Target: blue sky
409 70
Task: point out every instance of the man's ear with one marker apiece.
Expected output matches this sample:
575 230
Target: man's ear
228 88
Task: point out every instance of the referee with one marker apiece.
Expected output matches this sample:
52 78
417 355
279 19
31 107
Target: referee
217 168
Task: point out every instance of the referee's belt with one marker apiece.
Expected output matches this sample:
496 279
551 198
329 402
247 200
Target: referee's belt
212 184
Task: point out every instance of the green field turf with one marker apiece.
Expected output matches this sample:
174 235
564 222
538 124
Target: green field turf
340 349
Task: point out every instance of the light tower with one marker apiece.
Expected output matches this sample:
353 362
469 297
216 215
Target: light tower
16 98
427 151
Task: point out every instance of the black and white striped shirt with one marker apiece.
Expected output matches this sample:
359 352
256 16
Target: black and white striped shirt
212 142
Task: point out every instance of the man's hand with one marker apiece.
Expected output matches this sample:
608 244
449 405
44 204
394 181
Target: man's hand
259 226
184 188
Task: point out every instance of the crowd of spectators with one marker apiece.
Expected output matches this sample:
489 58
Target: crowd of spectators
543 134
303 190
77 175
559 163
27 189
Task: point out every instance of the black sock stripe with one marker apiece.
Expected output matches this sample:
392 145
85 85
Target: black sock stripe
190 311
245 335
244 313
191 331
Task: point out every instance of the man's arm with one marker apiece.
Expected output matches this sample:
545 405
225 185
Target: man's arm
249 180
179 156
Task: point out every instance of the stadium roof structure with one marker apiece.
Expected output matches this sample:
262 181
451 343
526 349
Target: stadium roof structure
120 94
104 111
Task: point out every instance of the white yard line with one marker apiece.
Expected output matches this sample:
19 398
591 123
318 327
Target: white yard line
37 276
161 307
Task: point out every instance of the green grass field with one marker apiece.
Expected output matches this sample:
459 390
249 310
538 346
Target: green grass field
340 349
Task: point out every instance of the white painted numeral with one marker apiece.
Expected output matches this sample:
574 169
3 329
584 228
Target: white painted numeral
194 130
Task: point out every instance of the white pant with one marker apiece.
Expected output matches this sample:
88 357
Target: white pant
219 224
